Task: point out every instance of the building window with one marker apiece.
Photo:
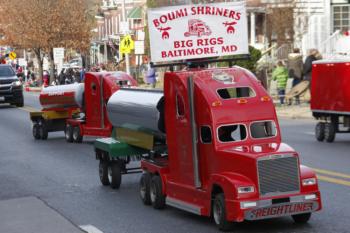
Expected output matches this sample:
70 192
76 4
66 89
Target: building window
341 17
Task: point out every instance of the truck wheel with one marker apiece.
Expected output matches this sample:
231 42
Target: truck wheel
219 213
20 104
319 131
43 130
103 172
329 132
115 175
35 130
77 135
301 218
156 194
145 183
69 133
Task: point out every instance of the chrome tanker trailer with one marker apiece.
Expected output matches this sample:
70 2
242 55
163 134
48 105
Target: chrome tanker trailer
137 118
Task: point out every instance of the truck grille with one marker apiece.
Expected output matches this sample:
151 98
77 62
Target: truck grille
278 175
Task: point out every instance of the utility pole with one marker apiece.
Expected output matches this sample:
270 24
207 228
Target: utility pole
127 64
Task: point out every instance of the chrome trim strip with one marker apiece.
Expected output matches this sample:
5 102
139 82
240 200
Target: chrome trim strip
183 205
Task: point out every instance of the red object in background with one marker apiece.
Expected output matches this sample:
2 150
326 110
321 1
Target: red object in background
330 87
347 33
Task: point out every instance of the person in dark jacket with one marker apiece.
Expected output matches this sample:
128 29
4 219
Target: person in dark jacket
307 68
295 69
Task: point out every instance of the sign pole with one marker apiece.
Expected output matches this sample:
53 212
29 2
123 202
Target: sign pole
126 54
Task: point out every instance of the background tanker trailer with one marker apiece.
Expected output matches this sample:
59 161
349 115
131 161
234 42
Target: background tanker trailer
220 153
78 109
330 98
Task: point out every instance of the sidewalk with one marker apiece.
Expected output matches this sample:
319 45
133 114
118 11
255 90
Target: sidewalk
294 111
31 215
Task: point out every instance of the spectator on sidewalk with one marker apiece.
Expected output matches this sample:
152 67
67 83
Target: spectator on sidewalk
151 76
280 73
295 69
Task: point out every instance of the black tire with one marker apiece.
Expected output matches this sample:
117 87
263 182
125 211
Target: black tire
115 175
301 218
69 133
145 183
103 172
35 131
77 137
219 213
43 130
319 131
156 193
20 104
329 132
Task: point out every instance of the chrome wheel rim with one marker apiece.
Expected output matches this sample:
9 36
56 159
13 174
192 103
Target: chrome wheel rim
217 212
153 193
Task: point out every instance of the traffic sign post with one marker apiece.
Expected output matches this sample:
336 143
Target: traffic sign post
12 56
126 45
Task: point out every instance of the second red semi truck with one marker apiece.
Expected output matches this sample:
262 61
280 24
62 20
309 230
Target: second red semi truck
78 109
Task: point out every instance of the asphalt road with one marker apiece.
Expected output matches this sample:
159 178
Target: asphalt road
65 176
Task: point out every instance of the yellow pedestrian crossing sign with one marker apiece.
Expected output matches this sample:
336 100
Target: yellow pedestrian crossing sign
126 44
12 55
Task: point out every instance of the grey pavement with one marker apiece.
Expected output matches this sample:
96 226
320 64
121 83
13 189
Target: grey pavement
31 215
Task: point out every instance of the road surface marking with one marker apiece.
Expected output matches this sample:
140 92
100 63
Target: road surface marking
29 109
90 229
331 173
333 180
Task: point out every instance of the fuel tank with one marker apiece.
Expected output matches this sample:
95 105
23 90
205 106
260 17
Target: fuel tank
62 96
136 107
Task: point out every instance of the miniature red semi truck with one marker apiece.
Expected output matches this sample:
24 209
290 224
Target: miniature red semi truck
330 98
218 154
78 109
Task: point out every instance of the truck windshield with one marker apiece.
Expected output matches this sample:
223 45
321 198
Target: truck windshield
263 129
6 71
236 92
230 133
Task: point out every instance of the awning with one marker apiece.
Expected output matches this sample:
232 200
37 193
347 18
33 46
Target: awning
135 13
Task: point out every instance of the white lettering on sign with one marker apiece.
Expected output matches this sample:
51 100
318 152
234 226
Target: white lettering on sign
205 30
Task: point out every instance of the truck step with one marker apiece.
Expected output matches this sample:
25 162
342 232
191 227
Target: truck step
189 207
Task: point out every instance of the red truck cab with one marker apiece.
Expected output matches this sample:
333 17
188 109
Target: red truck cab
225 155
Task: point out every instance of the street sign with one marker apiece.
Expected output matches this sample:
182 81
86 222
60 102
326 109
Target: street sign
126 44
58 54
188 32
12 56
139 47
22 62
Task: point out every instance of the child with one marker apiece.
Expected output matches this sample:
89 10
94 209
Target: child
280 73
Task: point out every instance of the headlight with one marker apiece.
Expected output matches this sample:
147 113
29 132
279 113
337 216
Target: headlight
309 181
245 189
16 83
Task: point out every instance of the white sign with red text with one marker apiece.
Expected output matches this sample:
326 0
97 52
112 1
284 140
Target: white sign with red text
198 31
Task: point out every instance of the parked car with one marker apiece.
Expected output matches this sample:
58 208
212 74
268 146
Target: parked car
11 89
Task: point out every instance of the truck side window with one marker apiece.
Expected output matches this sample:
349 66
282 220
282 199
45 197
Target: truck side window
235 92
206 134
180 106
263 129
230 133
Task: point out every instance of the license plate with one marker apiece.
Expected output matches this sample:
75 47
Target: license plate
2 99
280 210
